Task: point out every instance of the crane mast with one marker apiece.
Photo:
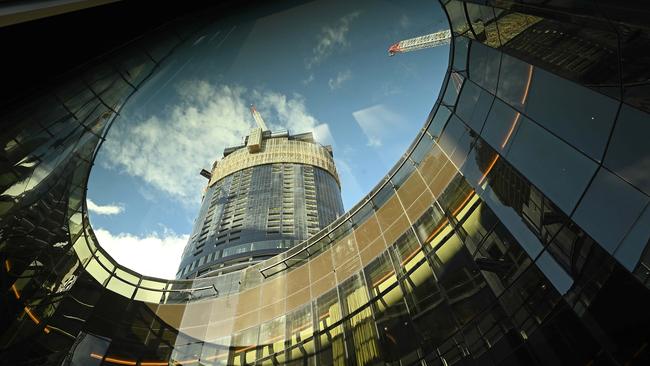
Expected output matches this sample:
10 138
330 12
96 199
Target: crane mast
258 118
426 41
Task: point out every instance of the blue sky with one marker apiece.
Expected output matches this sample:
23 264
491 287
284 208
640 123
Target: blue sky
320 67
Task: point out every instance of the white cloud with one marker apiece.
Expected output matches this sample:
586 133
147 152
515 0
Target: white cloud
404 21
340 78
282 112
378 123
373 142
104 209
156 255
331 38
168 150
309 79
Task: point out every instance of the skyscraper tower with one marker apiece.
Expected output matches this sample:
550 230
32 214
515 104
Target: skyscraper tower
263 197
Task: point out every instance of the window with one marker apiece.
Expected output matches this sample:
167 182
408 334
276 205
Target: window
559 171
484 65
609 209
629 151
577 114
473 105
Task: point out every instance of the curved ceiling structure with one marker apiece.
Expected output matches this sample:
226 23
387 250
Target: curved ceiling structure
514 230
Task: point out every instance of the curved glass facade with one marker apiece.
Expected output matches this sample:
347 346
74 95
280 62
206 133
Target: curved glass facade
514 230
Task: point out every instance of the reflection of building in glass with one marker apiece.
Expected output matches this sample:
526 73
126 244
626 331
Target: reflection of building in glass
514 231
263 197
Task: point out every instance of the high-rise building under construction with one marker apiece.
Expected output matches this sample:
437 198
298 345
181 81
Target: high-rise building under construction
263 197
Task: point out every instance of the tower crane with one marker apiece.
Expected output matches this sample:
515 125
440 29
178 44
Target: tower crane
426 41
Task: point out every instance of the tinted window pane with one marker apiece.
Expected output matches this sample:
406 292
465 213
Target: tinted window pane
461 45
609 209
502 206
423 148
484 65
578 115
554 273
629 152
515 81
454 85
473 105
438 122
501 126
635 241
383 195
362 215
402 174
558 170
457 17
483 25
455 141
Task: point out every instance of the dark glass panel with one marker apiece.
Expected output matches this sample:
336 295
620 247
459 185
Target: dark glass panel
461 279
578 115
554 272
484 65
609 209
429 223
439 121
456 195
559 171
161 44
501 126
529 300
454 84
461 45
405 248
483 24
473 105
362 215
571 248
457 17
456 140
424 146
620 312
628 154
512 24
430 313
564 340
391 315
635 58
114 96
634 243
402 174
515 81
580 53
343 230
135 66
383 195
498 255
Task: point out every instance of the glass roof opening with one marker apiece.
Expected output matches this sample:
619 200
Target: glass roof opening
322 67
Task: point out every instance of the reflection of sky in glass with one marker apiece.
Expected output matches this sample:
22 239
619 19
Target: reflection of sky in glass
320 67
